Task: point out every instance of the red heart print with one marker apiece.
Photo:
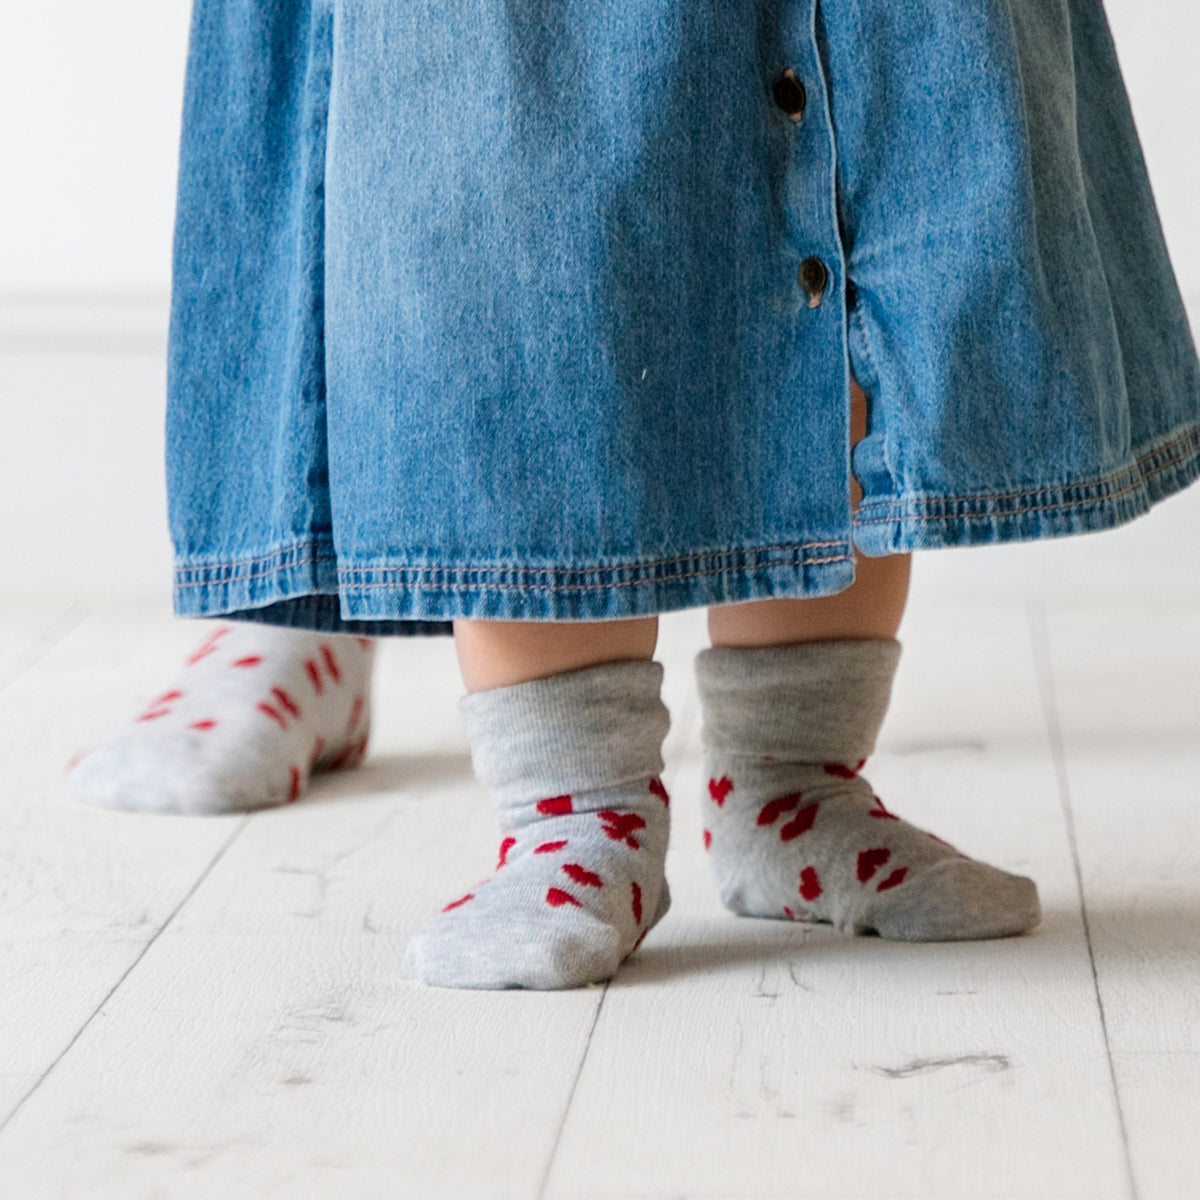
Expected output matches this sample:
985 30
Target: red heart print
707 839
802 822
810 885
549 847
314 673
331 663
656 787
582 875
869 861
209 645
637 902
774 809
356 712
251 660
620 827
557 898
456 903
264 707
718 789
160 707
895 879
294 792
285 701
555 806
505 847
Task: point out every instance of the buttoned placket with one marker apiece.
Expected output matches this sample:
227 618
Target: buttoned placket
798 91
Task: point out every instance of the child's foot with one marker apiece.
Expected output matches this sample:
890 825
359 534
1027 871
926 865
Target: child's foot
794 831
254 711
572 765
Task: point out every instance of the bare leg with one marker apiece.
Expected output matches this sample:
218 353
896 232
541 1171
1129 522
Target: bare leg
494 654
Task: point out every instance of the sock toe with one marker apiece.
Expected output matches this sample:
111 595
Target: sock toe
955 900
148 777
491 952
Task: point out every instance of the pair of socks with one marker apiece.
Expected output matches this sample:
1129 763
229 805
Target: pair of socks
793 829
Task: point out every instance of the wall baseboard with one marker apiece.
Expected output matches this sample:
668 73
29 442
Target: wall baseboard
122 323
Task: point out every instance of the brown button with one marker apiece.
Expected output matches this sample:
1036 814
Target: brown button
790 94
814 279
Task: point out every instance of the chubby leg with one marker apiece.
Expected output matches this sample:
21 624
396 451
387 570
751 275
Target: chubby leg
793 693
493 654
566 727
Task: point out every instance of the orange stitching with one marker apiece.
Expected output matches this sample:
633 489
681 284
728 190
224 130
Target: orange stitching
626 566
985 496
575 587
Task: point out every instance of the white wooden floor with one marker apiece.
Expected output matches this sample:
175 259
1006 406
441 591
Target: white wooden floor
216 1007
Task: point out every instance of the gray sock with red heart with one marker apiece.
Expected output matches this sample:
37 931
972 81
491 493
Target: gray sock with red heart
253 713
572 763
793 829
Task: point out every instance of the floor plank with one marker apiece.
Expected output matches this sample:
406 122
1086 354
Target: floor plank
276 1003
300 1064
192 1006
741 1058
1127 682
82 892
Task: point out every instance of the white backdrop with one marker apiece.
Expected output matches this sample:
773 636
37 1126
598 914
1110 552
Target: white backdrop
89 122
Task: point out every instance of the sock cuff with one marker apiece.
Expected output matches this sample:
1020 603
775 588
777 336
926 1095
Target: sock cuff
595 728
806 702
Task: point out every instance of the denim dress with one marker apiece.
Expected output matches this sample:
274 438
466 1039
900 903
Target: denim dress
549 310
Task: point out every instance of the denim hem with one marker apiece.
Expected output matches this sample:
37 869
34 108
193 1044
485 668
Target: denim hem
915 521
405 599
301 584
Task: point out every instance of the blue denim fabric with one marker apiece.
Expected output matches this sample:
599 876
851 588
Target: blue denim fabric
549 310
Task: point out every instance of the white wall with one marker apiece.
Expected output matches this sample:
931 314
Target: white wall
90 95
89 121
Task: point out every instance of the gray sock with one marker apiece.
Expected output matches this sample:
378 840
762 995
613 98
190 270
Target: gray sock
794 831
572 766
253 713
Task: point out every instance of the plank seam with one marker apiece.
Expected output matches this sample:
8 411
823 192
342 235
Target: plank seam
688 720
20 1104
587 1045
1040 636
